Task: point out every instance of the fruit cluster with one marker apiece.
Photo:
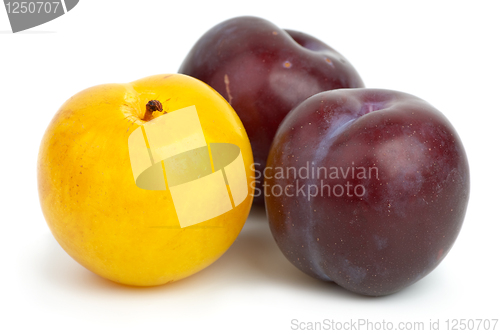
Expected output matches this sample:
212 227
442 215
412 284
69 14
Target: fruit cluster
367 188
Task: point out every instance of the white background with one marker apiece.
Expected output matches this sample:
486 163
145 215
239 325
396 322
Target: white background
444 52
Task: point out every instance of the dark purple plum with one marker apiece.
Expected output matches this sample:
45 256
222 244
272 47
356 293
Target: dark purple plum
385 194
264 72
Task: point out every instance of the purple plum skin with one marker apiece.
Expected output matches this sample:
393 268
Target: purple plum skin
264 72
407 220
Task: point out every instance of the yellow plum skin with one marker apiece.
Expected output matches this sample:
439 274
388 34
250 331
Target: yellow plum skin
90 200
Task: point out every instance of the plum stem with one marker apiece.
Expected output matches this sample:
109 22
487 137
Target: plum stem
154 108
